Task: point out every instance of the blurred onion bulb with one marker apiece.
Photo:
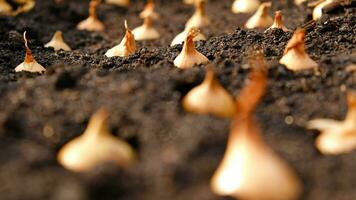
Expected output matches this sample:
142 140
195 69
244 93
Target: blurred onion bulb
26 6
57 42
299 2
189 1
149 11
245 6
278 22
146 31
126 47
179 39
295 58
95 146
30 64
318 10
250 169
200 18
337 137
122 3
261 18
92 23
210 98
5 7
189 56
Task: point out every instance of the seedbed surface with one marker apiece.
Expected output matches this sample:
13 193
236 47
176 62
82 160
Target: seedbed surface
178 152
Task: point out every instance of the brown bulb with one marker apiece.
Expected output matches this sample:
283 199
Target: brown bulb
337 137
126 47
146 31
149 11
200 18
210 98
278 22
57 42
92 23
120 3
189 56
95 146
5 7
30 64
318 10
250 169
261 18
245 6
179 39
295 58
26 6
299 2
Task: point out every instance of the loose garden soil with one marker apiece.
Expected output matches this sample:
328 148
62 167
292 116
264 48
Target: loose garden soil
178 152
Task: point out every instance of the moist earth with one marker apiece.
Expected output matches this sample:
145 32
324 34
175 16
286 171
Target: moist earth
178 152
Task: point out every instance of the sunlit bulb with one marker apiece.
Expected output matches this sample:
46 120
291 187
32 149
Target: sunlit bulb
278 22
5 7
146 31
295 58
179 39
245 6
299 2
189 56
121 3
250 169
350 68
57 42
189 1
126 47
200 18
30 64
95 146
337 137
261 19
149 11
26 6
318 10
92 23
210 98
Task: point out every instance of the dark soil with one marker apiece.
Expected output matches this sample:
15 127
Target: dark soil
178 152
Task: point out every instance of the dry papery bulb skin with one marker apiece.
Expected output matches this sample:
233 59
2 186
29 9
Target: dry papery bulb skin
295 58
92 23
261 18
200 18
278 22
318 10
189 56
337 137
95 146
149 10
250 169
30 64
5 7
146 31
210 98
58 43
245 6
120 3
126 47
179 39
